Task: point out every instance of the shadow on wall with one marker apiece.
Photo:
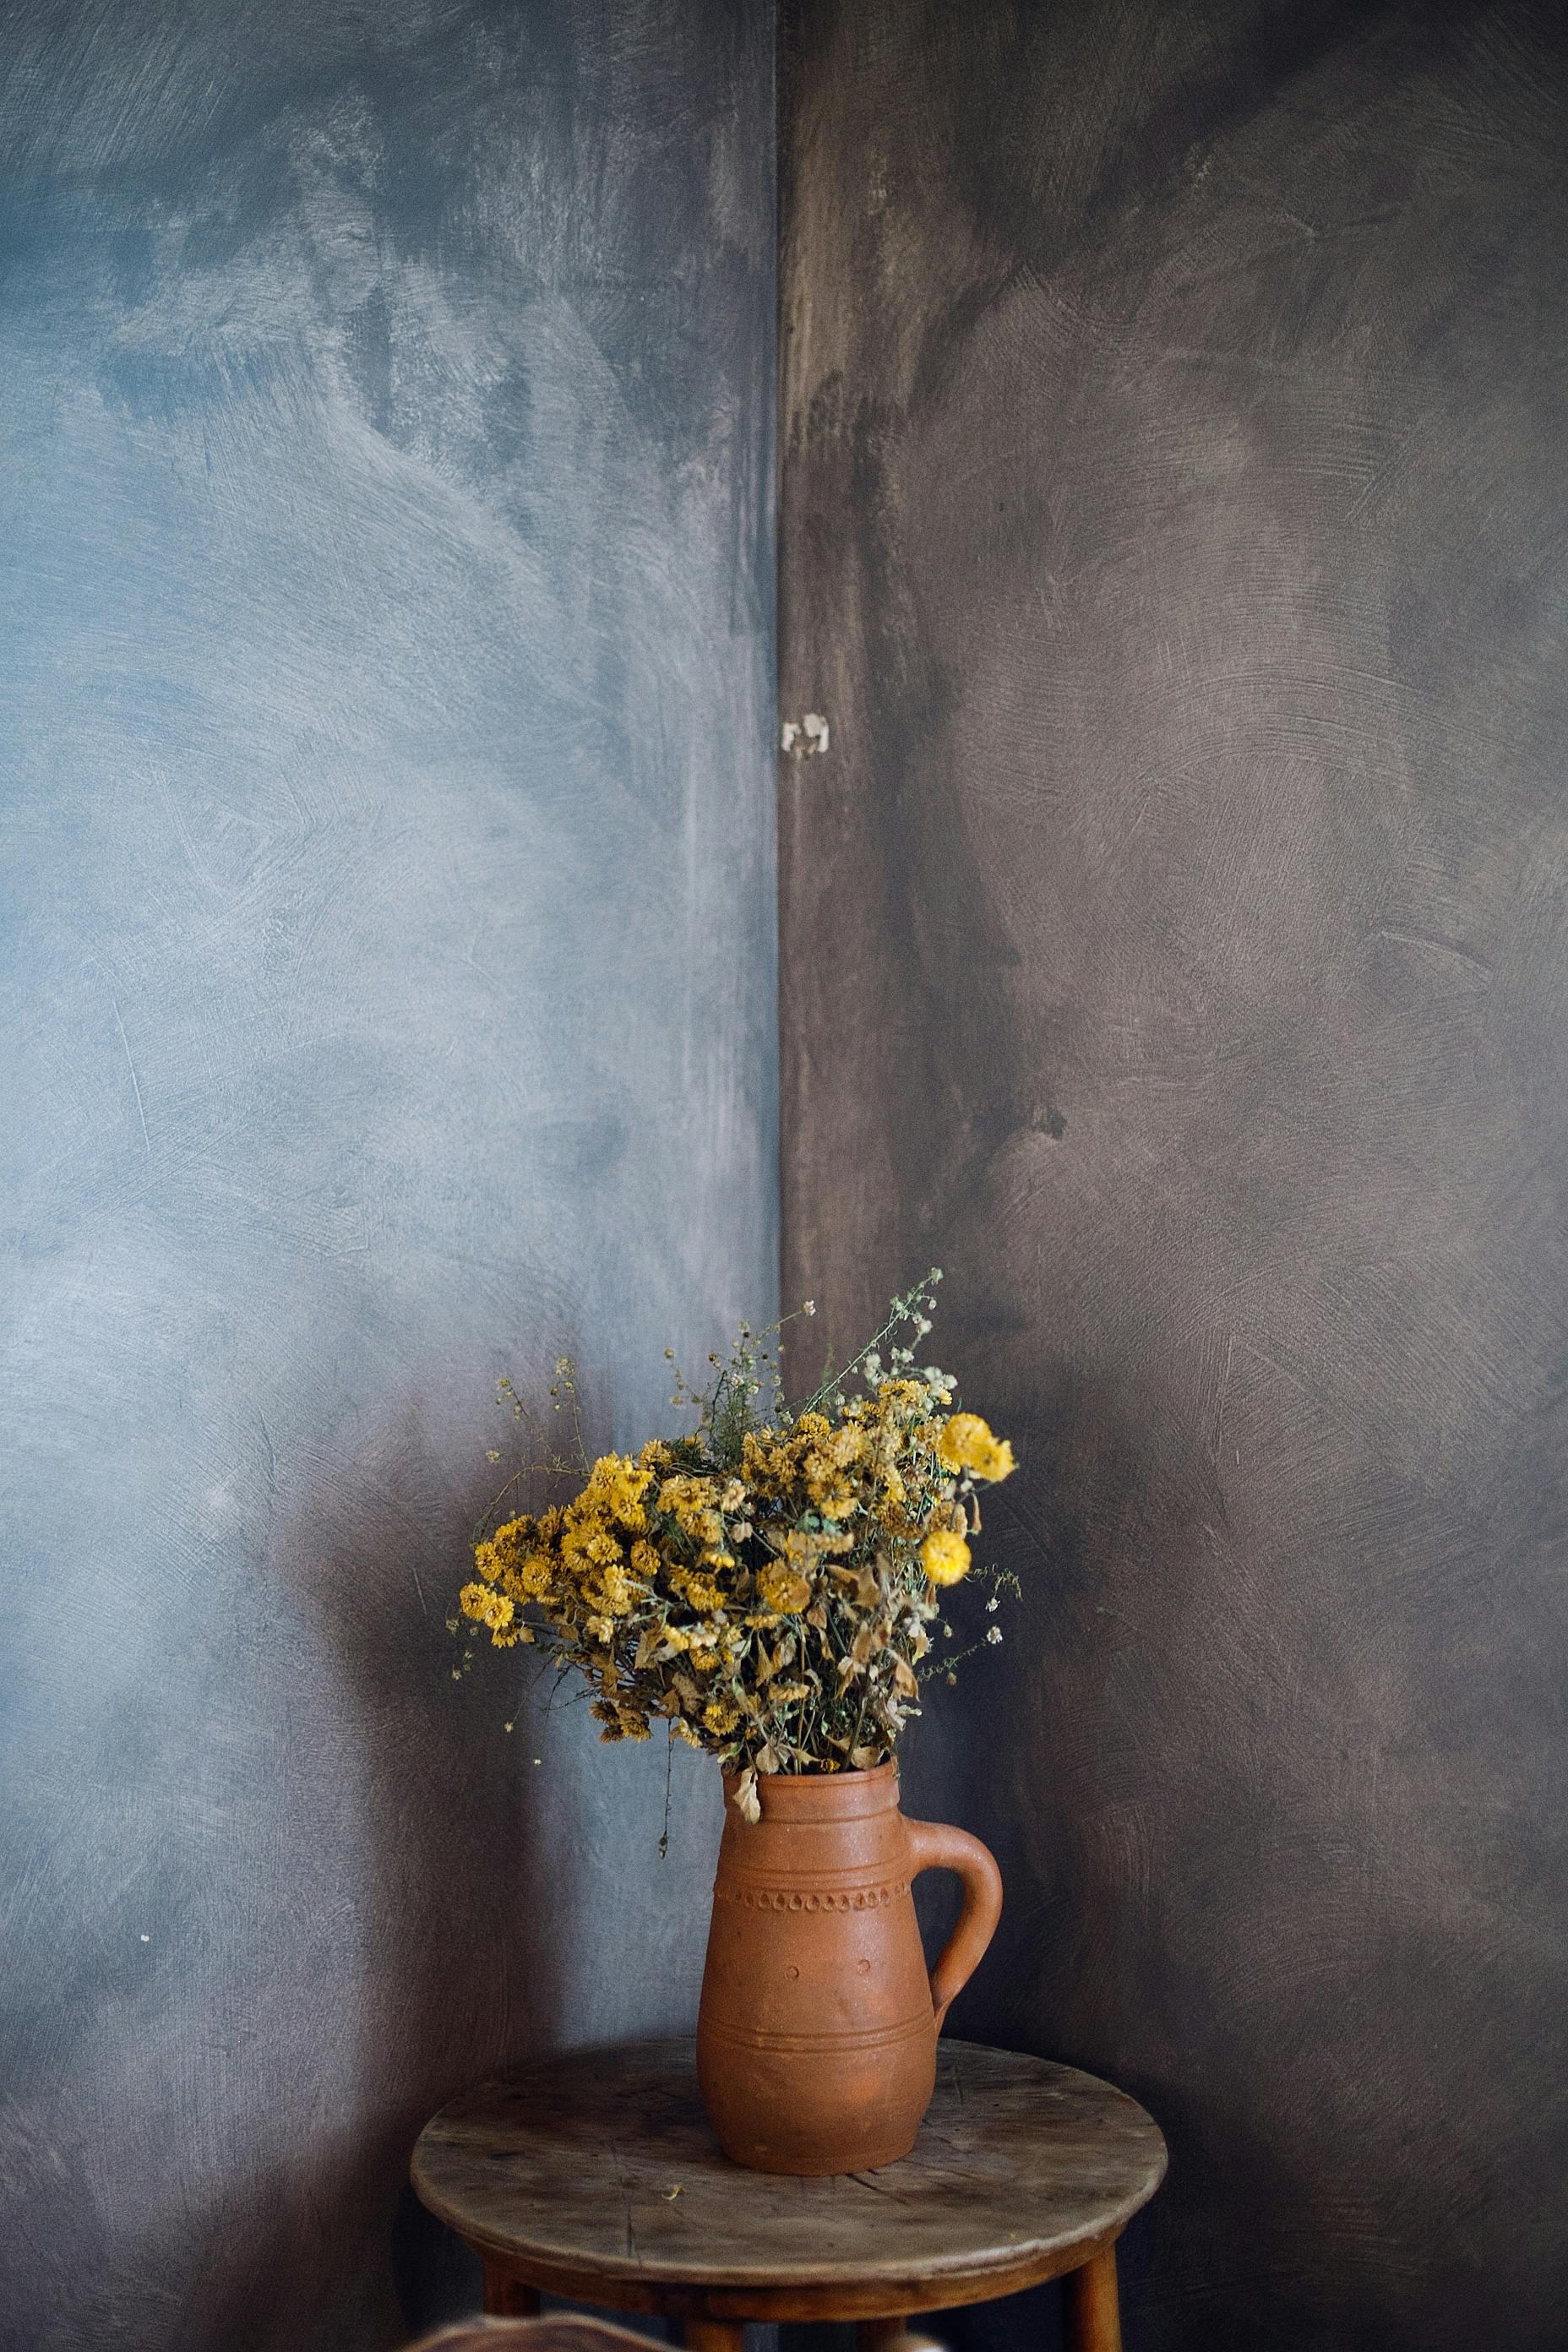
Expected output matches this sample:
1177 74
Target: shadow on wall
1109 1481
471 1904
438 1958
1184 1824
368 1895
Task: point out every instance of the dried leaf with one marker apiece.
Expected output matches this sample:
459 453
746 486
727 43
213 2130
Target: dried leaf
748 1805
904 1682
859 1584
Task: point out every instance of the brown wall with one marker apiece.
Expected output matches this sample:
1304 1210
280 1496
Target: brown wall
1176 948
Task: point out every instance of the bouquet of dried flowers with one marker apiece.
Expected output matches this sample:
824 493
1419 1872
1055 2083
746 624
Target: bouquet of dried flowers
764 1586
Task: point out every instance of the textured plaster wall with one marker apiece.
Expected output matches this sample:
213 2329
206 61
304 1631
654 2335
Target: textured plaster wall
1175 946
385 700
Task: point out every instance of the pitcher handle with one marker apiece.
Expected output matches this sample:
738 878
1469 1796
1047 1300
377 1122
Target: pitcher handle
934 1845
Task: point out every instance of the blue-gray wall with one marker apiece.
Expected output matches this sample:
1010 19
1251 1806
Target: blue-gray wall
386 644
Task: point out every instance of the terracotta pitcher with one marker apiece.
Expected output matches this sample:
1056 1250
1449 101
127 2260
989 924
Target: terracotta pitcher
817 2036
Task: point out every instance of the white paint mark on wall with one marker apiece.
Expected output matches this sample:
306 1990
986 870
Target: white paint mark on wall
800 738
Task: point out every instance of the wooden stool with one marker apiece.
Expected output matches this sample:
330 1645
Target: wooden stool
597 2176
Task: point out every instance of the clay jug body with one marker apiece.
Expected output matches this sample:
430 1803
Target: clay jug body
817 2036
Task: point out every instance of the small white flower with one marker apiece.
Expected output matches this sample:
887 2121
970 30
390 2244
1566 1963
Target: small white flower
992 1606
995 1635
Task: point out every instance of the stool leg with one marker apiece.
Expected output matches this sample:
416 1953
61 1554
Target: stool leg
1094 2314
507 2297
714 2334
877 2335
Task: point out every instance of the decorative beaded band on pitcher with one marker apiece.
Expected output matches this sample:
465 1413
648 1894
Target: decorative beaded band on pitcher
751 1895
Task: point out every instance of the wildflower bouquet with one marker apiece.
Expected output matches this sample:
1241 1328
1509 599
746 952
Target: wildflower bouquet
764 1586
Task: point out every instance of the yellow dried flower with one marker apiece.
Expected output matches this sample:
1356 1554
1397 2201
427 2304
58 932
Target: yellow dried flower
532 1579
766 1464
587 1542
646 1583
616 1488
945 1556
692 1503
782 1588
512 1559
615 1593
487 1608
827 1486
967 1444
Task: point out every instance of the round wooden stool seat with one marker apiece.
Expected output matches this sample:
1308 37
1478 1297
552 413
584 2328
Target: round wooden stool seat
597 2176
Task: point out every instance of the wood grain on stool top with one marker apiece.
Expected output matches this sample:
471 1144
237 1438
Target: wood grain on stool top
569 2173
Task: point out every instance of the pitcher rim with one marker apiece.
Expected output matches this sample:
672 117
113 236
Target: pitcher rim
857 1773
859 1794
